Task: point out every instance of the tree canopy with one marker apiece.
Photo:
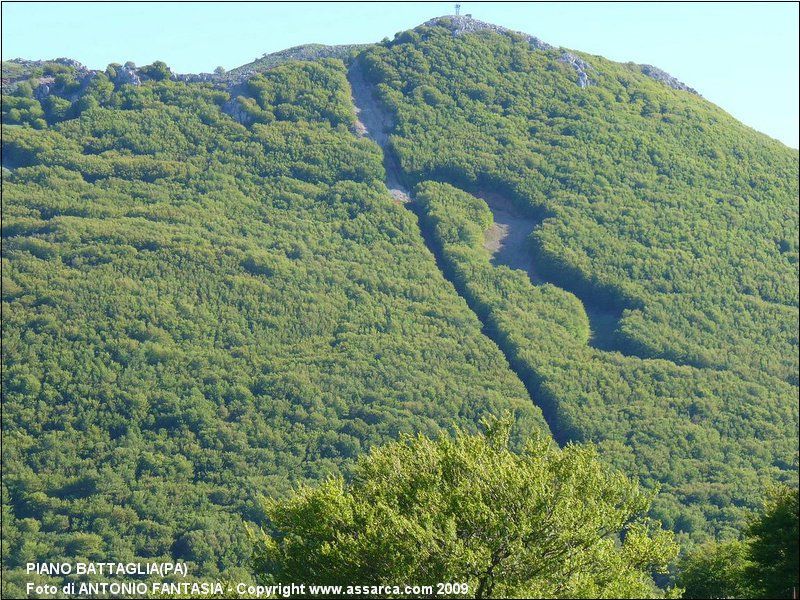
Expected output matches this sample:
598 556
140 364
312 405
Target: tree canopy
542 523
764 564
774 539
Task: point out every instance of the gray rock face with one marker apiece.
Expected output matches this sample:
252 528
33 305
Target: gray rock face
304 52
538 44
42 91
233 108
127 75
666 78
87 79
581 67
195 77
80 68
457 25
462 24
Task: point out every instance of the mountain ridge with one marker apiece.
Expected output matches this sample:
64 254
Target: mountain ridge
457 24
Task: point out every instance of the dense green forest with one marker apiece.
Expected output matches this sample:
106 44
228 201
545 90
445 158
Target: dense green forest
197 313
653 199
652 202
210 297
711 440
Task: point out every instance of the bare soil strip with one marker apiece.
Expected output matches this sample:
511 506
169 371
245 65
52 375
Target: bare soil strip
507 239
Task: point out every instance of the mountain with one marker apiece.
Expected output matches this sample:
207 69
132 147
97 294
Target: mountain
658 316
216 287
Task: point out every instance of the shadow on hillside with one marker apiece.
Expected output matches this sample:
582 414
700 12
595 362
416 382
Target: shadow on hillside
507 239
508 242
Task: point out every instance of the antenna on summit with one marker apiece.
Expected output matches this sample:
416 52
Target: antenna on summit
458 9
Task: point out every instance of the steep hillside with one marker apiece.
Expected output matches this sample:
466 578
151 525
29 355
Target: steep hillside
197 313
658 316
216 287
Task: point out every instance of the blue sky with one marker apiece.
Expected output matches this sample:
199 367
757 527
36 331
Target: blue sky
741 56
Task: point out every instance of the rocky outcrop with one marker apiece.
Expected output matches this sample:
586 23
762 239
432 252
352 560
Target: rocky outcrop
538 44
462 24
665 78
44 88
581 67
195 77
457 25
87 79
81 70
234 108
20 69
127 75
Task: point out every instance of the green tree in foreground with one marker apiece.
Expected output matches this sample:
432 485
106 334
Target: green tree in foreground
716 570
774 546
543 523
765 565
